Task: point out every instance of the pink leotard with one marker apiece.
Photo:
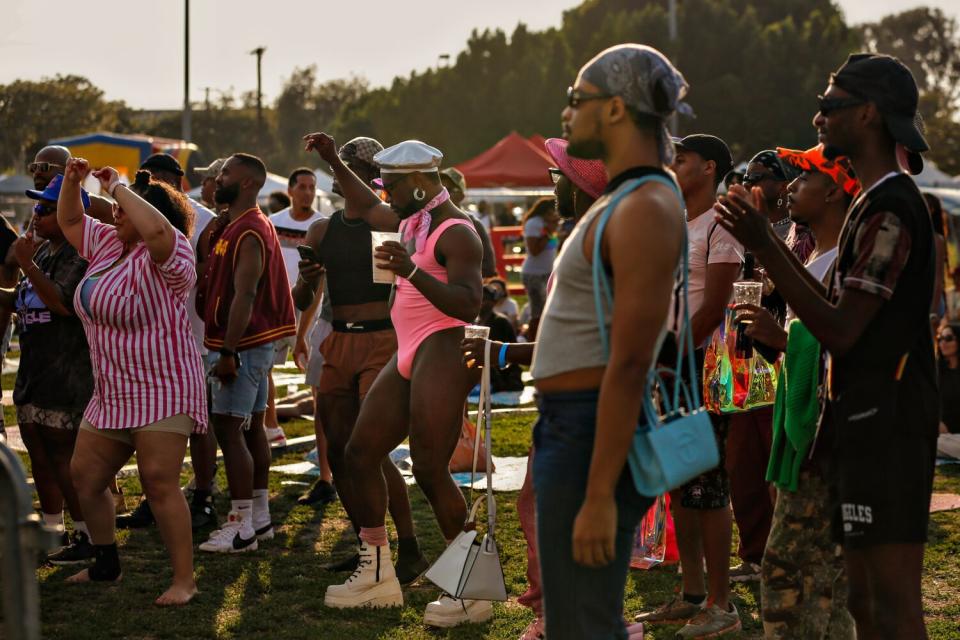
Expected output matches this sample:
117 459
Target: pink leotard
414 317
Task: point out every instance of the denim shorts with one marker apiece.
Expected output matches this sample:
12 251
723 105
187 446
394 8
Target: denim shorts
248 393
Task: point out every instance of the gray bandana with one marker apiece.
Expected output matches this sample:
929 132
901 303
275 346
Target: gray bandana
645 79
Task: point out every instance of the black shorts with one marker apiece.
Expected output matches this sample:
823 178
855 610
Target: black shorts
882 470
710 490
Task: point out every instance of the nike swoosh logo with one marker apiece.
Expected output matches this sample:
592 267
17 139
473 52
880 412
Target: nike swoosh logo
240 543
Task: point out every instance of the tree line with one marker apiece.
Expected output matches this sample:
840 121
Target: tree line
755 68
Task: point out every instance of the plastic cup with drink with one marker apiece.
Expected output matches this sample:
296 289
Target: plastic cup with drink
473 332
747 292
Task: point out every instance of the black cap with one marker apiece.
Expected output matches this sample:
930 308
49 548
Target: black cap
162 162
709 148
888 83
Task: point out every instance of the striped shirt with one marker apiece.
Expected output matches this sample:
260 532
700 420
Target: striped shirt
146 366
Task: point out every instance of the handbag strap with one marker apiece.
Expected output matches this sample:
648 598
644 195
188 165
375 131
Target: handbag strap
484 417
603 295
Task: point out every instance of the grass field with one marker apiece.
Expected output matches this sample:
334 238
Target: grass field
277 592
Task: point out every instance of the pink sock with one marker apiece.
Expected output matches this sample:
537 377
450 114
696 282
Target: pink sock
374 536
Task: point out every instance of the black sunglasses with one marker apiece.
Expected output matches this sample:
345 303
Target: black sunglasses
947 338
576 98
750 179
555 174
44 209
388 186
42 167
829 105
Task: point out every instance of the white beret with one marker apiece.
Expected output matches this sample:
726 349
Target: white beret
408 157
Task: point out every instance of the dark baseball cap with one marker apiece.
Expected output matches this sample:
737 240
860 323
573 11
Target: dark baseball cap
162 162
709 148
888 83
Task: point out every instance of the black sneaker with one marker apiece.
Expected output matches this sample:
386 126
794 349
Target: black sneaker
321 493
410 568
202 514
80 550
139 518
349 563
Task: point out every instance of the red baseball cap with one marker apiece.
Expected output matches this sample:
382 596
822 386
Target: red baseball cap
589 175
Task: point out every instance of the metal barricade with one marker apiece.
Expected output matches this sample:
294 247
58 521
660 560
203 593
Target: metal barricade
22 537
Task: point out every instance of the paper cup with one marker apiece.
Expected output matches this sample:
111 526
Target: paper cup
377 238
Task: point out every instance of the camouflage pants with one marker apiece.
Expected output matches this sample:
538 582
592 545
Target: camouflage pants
803 583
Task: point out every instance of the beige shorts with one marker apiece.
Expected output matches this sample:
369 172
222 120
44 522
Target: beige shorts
180 423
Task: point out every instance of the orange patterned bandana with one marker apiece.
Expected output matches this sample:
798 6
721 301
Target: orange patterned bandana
813 160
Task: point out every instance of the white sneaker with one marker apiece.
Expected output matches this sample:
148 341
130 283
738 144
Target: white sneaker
276 436
235 536
373 584
265 532
449 611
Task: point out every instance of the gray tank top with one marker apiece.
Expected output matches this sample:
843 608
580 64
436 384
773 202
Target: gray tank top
570 317
569 335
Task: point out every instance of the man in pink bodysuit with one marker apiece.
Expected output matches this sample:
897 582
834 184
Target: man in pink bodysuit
438 292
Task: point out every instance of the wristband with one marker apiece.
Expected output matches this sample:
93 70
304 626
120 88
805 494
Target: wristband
410 275
112 187
502 361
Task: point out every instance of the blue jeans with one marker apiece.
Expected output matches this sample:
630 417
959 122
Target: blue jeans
248 393
580 603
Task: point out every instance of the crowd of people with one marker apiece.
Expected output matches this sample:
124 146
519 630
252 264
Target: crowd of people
150 322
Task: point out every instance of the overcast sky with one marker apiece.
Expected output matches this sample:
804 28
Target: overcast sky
134 50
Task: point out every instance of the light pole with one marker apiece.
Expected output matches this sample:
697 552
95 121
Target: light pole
672 28
259 53
185 123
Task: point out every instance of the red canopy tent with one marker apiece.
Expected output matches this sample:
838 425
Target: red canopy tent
512 162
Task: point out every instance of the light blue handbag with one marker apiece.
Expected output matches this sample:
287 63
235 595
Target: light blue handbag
669 450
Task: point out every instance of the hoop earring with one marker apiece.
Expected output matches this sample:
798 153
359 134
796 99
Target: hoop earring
779 203
419 194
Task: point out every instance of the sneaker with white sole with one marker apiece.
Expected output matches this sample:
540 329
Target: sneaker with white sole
276 437
448 611
235 536
675 611
265 532
373 584
711 622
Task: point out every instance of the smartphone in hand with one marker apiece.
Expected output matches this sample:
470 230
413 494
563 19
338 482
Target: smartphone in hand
307 253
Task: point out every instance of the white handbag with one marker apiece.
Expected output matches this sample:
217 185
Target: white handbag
470 567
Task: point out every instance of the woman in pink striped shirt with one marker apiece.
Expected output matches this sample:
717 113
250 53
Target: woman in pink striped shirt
149 392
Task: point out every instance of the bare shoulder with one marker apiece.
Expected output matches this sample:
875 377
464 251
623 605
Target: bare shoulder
653 205
460 237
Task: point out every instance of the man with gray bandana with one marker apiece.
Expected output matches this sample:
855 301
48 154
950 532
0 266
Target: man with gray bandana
587 506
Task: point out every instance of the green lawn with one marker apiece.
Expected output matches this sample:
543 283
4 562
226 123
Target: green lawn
277 592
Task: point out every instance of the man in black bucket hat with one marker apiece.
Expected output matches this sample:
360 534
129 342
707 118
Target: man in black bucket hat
879 425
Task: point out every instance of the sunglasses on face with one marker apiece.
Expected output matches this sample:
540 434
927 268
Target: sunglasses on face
43 167
44 209
389 186
751 179
576 98
829 105
947 338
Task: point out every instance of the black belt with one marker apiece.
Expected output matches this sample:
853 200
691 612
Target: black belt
362 326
